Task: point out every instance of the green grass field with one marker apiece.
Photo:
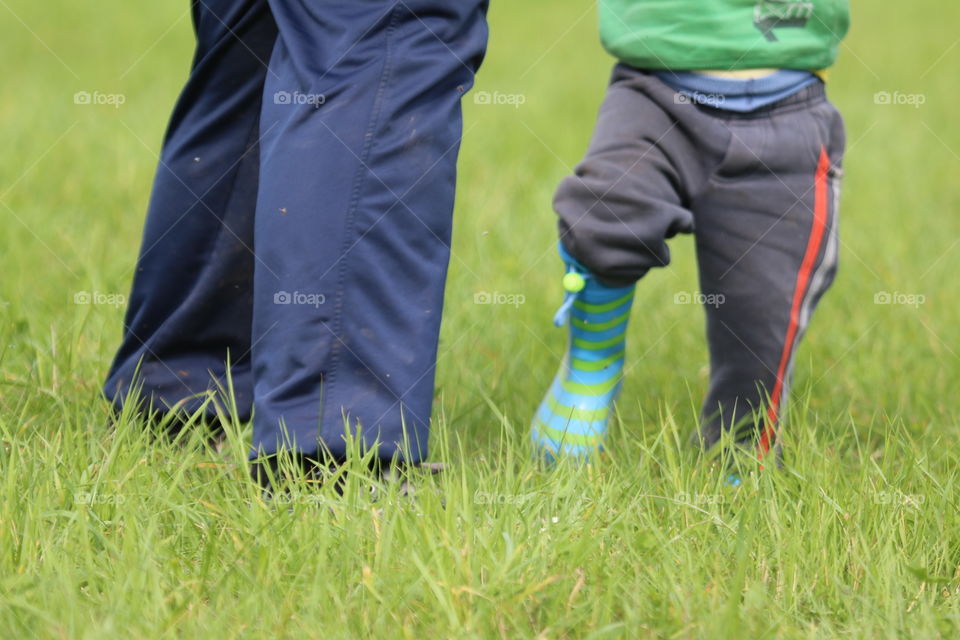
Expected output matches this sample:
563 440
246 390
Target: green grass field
105 535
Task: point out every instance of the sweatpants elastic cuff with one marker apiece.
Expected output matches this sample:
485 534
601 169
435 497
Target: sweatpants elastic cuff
613 283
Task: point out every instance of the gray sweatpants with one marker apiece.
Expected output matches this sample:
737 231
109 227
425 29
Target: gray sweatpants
759 190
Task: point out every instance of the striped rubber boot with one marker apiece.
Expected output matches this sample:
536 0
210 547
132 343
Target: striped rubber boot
573 417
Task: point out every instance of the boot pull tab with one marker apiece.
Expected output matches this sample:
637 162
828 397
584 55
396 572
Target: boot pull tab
573 283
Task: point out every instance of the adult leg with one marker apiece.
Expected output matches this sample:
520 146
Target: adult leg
361 129
767 251
191 303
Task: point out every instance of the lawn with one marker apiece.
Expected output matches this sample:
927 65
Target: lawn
104 533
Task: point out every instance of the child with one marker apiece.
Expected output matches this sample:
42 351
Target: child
715 123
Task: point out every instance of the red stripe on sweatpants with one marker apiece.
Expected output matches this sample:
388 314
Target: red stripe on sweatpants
817 232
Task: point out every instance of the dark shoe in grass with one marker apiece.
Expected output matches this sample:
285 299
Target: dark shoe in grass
278 474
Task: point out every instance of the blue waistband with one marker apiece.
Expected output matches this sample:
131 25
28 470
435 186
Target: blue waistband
733 94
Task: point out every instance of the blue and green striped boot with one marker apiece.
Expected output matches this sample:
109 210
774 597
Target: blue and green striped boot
572 420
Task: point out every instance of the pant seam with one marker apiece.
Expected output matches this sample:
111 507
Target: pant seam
330 377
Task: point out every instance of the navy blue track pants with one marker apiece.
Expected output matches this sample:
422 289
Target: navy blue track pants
300 220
